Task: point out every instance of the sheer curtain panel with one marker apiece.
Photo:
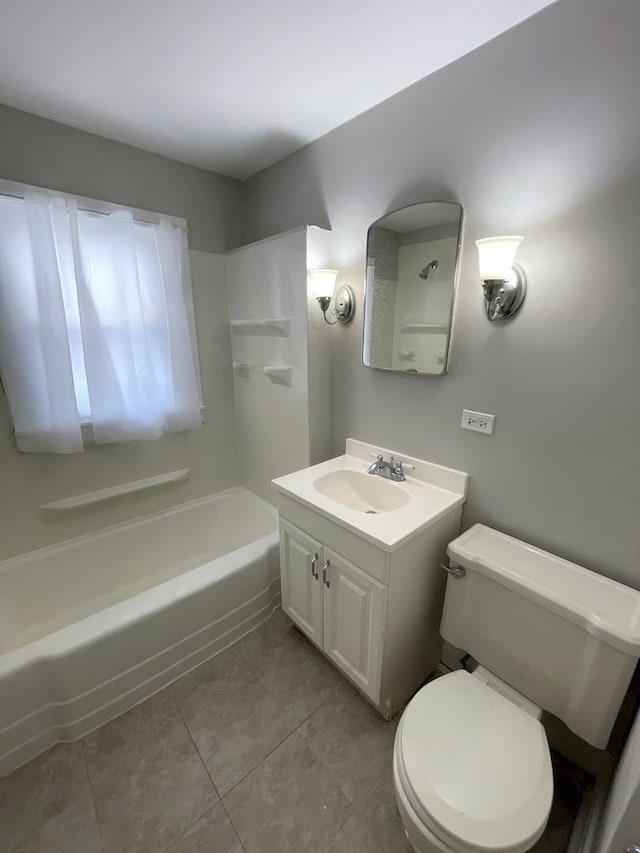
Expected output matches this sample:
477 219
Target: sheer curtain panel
96 325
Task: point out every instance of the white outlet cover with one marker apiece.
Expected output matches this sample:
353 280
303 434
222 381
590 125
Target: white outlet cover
478 421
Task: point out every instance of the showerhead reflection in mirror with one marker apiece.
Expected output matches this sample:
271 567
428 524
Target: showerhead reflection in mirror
425 272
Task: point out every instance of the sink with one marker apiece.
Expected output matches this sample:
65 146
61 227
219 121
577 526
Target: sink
362 492
383 512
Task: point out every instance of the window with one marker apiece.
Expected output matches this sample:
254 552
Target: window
96 322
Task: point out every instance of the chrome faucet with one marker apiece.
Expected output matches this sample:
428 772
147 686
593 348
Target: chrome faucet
389 469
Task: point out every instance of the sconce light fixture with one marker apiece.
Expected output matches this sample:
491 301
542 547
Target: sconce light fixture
504 282
324 282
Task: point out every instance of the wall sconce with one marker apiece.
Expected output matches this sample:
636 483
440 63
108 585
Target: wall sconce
324 282
504 282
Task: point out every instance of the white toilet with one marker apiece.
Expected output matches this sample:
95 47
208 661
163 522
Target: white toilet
471 763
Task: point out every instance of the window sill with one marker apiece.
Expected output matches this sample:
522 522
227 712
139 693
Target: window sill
88 438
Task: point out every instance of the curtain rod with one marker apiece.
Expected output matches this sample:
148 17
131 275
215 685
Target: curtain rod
181 226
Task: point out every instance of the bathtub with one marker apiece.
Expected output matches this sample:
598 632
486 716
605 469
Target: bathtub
92 626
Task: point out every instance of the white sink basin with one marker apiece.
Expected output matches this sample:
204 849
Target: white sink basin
362 492
381 511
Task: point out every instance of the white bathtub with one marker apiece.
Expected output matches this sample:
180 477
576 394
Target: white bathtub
92 626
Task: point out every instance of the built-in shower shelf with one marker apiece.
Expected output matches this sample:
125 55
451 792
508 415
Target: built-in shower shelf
425 328
274 326
279 374
78 501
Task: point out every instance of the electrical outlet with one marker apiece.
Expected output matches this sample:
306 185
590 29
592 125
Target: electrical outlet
478 421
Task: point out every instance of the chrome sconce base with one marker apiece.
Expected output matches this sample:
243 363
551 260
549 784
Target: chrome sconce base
344 308
504 297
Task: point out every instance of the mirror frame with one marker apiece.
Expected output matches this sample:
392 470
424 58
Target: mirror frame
454 289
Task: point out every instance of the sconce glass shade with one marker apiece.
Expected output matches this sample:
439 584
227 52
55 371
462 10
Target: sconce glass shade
496 256
323 282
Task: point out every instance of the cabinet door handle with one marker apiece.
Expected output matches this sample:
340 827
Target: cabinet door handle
325 569
314 560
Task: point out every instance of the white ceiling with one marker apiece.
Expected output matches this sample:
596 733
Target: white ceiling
230 85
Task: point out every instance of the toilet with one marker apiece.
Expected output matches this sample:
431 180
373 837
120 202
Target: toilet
471 764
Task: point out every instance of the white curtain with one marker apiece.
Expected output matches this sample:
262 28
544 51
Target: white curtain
96 325
35 359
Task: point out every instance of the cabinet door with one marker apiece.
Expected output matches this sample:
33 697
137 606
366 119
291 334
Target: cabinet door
301 576
355 607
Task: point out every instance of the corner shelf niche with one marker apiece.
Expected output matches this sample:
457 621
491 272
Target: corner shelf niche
279 374
269 326
425 328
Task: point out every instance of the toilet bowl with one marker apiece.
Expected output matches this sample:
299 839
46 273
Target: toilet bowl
471 767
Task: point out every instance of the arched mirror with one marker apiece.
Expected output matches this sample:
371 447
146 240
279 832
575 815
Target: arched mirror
412 258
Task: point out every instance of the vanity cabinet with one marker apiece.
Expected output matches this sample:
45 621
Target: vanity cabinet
337 605
375 614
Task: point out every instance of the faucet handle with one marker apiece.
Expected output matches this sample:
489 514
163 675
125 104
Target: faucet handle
374 468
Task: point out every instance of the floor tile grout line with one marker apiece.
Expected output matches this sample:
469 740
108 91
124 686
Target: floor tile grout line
221 798
91 794
190 827
235 828
199 754
262 760
176 711
355 806
380 847
291 733
319 757
215 787
206 770
349 816
331 775
219 801
203 815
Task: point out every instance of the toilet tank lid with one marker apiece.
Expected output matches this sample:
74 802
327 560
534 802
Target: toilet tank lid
605 608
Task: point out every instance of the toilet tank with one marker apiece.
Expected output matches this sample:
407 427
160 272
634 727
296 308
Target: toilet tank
565 637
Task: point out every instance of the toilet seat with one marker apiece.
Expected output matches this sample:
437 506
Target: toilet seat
474 766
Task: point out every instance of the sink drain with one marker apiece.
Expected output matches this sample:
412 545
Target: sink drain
371 512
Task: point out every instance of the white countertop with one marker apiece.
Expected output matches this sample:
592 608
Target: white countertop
434 490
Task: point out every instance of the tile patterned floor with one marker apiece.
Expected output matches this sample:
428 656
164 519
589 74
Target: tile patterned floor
264 749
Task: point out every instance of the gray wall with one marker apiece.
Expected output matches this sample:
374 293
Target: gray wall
536 133
41 152
47 154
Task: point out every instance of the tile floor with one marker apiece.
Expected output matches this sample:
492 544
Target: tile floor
264 749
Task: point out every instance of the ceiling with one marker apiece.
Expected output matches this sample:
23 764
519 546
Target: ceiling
230 85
